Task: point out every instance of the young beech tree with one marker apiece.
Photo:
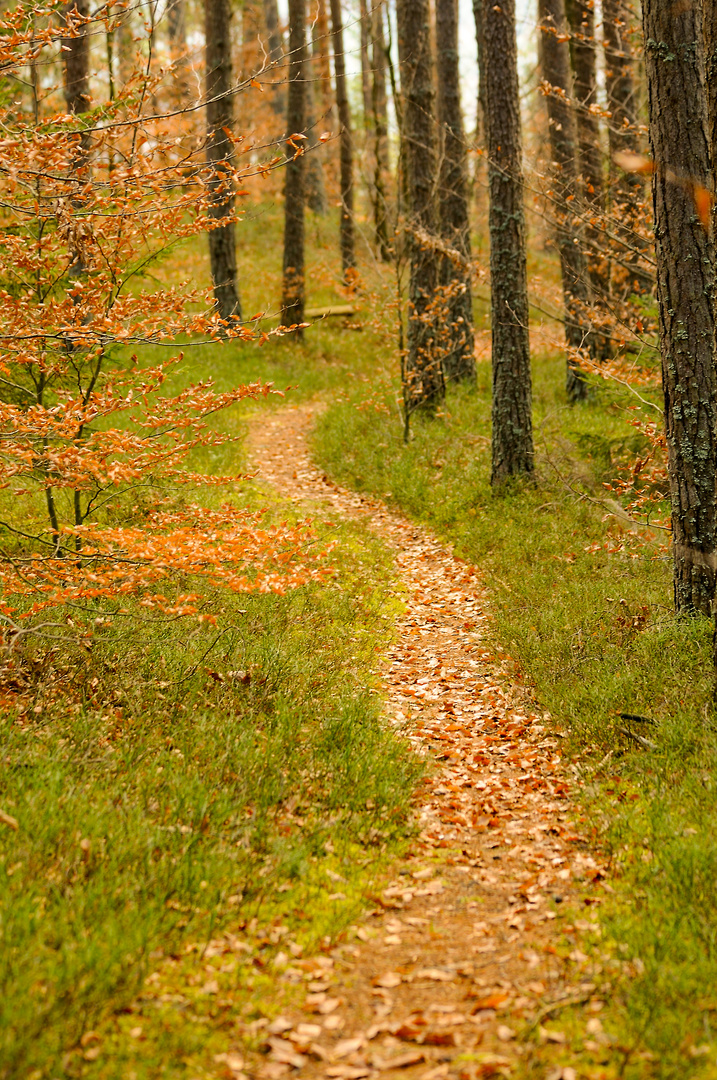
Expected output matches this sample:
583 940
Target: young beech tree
558 90
93 446
455 274
346 235
423 383
512 441
679 140
293 287
220 154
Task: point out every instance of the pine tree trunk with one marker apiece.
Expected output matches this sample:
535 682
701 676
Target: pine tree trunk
76 63
423 382
379 118
316 199
177 32
480 49
555 62
294 287
346 235
626 187
458 352
365 32
220 153
277 94
679 140
581 19
512 441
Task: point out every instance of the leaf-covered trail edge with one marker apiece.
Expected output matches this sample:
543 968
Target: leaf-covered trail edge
466 955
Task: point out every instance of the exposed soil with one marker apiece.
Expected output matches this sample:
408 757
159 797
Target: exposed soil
467 954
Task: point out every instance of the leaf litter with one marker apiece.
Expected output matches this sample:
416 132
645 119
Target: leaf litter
465 949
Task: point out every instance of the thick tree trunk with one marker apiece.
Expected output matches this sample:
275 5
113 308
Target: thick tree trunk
316 199
627 189
455 277
512 442
320 38
423 382
555 61
346 234
294 287
379 120
679 140
220 152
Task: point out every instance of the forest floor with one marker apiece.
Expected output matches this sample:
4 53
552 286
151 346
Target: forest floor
470 957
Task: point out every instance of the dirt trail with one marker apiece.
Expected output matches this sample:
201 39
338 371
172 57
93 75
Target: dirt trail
453 968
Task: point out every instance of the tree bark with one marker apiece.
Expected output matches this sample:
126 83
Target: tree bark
581 19
294 287
365 33
346 232
455 277
423 381
177 33
316 198
480 49
76 63
555 61
276 53
679 140
220 152
512 436
379 118
627 188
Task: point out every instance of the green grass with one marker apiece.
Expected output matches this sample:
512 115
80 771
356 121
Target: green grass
592 635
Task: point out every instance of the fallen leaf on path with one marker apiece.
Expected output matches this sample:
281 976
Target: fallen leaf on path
403 1061
387 981
493 1001
348 1046
347 1072
283 1052
435 974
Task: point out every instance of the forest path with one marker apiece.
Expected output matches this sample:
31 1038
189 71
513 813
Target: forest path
467 949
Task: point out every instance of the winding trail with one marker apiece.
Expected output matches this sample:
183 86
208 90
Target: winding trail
464 956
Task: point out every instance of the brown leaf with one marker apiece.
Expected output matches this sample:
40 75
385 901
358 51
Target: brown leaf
439 1038
8 820
403 1061
348 1046
493 1001
388 980
435 974
347 1072
282 1051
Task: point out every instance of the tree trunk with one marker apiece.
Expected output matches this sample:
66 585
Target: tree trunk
423 382
348 255
512 441
458 353
277 97
220 153
294 288
76 62
316 198
365 32
679 140
480 49
320 55
379 116
581 19
627 188
555 61
177 32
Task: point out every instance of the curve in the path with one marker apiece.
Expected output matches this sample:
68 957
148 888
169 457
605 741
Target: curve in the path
452 968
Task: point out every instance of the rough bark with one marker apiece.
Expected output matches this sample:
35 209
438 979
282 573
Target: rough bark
581 19
480 48
379 121
220 152
455 275
555 62
679 140
320 37
627 189
294 288
423 383
346 231
512 436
